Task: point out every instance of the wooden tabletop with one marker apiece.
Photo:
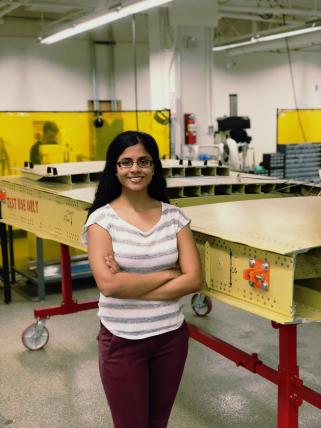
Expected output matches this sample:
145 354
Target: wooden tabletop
282 225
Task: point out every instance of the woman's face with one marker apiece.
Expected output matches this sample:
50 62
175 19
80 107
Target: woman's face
135 168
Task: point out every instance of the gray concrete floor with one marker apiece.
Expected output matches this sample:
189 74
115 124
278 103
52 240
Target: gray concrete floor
60 386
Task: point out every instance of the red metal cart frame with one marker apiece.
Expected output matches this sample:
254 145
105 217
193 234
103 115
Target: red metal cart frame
291 391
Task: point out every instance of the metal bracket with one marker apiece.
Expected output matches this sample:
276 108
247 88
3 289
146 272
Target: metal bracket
258 274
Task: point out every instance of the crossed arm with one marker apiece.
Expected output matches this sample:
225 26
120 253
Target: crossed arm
161 285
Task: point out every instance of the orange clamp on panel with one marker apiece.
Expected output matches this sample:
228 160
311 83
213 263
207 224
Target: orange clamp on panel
258 274
3 195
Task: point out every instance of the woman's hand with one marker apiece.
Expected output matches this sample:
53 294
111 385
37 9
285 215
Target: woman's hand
174 273
112 264
114 268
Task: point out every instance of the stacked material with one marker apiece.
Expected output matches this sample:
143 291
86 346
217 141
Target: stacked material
301 161
274 164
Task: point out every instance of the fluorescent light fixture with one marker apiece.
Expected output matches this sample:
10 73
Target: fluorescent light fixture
106 18
268 38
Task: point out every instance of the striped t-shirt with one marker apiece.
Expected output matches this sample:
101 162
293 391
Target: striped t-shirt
140 252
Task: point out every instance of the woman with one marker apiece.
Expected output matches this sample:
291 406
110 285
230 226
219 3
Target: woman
143 258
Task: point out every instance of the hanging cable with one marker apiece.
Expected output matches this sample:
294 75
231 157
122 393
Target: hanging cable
294 91
135 67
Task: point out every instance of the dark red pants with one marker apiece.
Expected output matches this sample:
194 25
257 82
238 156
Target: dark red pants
141 377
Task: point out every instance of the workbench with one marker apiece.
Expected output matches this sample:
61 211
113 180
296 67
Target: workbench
264 257
260 255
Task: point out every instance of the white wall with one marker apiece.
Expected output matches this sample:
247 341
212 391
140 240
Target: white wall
263 84
190 91
59 77
37 77
195 74
124 76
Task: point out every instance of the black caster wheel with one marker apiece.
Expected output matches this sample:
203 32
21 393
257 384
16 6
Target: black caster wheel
201 305
35 336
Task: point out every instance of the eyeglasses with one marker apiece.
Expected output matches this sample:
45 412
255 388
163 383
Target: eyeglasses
128 163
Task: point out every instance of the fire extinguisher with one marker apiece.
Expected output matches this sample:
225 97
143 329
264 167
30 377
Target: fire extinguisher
190 128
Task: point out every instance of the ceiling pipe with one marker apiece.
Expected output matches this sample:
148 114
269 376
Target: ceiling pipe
50 4
303 42
67 17
248 36
4 11
270 10
258 18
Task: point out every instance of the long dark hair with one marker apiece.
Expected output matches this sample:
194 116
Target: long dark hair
109 187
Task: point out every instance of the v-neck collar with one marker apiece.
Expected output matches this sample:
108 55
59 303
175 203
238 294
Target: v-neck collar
143 232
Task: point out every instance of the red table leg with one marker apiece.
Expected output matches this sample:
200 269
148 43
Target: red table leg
68 305
66 281
289 398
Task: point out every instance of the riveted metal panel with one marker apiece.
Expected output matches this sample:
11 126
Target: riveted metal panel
223 264
48 215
